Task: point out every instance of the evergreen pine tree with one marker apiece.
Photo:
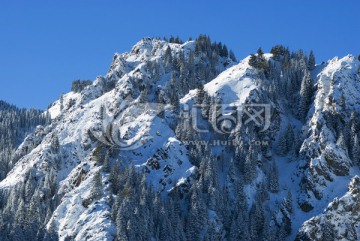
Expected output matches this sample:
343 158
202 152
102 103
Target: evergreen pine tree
200 96
282 147
274 178
61 102
305 96
342 101
356 150
197 216
99 153
288 202
55 144
311 62
96 191
277 51
232 56
168 59
106 165
253 61
257 221
260 53
224 52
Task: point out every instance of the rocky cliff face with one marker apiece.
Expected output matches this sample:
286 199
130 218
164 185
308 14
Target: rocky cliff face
331 129
339 221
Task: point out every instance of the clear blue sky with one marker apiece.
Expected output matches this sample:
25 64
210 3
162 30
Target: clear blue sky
44 45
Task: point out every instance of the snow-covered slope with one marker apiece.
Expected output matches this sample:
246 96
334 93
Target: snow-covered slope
339 221
338 79
234 84
81 121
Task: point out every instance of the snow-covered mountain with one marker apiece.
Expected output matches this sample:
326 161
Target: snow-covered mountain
127 157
